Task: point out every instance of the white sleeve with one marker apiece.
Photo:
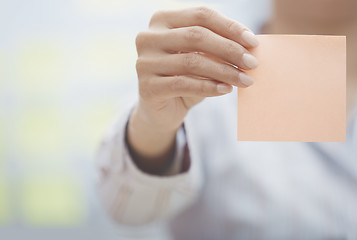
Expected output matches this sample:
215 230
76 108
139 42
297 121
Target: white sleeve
133 197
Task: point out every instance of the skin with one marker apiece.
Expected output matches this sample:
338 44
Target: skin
187 55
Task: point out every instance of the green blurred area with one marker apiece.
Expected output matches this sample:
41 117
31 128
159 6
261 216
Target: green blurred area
52 201
40 66
4 201
42 135
51 124
5 213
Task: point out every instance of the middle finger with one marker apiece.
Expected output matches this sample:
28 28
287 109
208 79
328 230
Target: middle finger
199 39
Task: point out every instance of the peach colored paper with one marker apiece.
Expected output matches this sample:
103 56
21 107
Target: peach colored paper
299 92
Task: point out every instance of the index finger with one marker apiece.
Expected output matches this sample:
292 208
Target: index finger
207 18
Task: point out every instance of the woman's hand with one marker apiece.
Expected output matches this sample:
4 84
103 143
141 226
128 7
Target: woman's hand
185 56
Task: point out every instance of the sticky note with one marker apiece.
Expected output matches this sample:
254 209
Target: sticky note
299 92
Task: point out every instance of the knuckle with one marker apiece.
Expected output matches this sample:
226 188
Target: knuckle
140 64
195 34
226 69
231 50
229 73
203 13
178 83
202 89
233 27
156 17
191 61
141 39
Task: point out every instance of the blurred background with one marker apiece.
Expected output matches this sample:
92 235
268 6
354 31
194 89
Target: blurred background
67 68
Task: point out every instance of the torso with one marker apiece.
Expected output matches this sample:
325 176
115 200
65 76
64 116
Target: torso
273 189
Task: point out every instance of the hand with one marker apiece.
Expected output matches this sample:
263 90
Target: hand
185 56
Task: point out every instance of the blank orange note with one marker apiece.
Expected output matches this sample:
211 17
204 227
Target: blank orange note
299 92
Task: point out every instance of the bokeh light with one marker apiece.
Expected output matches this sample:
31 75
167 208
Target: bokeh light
51 200
42 134
4 200
40 65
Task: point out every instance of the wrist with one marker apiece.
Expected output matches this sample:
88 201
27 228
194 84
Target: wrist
146 139
152 121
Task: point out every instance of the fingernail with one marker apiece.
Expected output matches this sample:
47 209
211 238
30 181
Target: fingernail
250 61
250 38
223 88
246 79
